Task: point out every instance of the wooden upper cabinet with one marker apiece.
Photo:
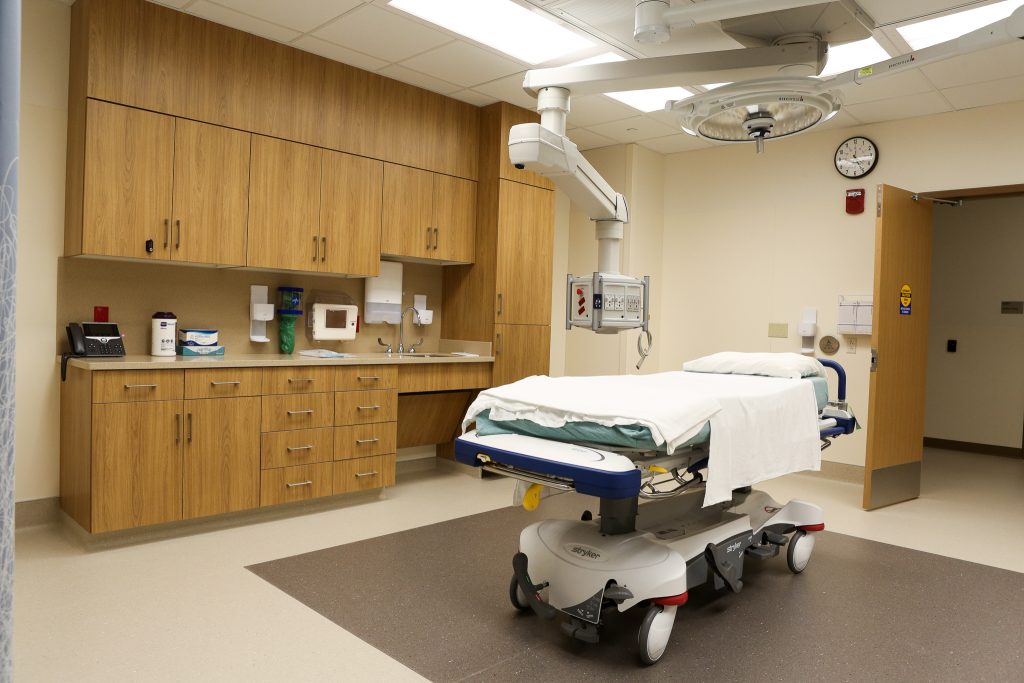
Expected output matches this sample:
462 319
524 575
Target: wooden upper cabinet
454 219
351 190
288 86
284 205
129 159
526 218
406 228
211 193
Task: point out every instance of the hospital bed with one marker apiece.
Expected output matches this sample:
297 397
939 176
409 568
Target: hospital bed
651 554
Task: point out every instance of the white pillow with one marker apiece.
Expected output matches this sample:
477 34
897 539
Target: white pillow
792 365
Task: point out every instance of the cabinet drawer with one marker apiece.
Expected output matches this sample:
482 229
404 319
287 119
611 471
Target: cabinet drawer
290 484
363 377
223 382
359 441
361 474
298 447
363 407
122 386
304 411
298 380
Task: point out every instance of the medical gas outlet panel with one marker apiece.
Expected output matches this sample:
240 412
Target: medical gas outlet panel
607 302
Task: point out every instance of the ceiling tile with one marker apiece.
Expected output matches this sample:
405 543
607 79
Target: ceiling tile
843 119
382 34
462 63
473 97
887 11
587 139
899 108
671 144
982 94
400 73
593 109
301 16
907 83
987 65
243 22
633 130
509 89
339 54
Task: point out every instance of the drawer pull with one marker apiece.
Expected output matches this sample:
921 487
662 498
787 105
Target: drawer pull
366 474
300 379
373 440
367 407
368 377
301 412
141 386
292 449
217 384
299 483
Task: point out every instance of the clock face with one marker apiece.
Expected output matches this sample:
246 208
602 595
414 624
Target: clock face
856 157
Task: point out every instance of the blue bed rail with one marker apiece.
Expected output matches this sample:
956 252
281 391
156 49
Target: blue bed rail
840 372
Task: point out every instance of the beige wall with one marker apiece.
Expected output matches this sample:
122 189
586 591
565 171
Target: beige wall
977 394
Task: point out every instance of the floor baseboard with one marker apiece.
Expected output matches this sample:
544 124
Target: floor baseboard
36 512
967 446
840 471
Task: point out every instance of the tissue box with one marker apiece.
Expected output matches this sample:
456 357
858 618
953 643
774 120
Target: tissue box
197 337
200 350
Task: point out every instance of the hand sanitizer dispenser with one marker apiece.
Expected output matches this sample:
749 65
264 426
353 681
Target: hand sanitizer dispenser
384 295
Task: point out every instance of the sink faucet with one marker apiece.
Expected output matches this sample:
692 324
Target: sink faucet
401 331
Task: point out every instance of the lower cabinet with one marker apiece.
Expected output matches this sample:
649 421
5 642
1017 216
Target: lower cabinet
292 484
222 456
362 474
520 351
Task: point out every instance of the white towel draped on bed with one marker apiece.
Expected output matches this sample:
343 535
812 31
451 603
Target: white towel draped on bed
761 427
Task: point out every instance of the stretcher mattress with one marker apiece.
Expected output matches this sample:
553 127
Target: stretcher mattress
622 436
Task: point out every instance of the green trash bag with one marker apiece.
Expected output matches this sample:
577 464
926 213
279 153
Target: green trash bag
286 327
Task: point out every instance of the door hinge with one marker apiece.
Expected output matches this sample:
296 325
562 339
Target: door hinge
874 359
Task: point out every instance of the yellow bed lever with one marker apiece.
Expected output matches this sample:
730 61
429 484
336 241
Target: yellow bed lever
531 499
657 470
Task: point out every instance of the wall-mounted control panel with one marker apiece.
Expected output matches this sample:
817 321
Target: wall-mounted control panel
607 302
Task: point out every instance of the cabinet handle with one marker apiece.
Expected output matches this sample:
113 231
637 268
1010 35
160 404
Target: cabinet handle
316 248
299 483
435 239
167 232
141 386
373 440
217 384
367 407
177 239
177 428
428 238
292 449
366 474
499 303
323 256
190 427
368 377
300 379
301 412
497 344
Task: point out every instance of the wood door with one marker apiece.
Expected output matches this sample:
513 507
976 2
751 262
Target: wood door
289 86
899 348
222 456
520 351
454 219
526 224
406 228
211 193
351 191
284 205
129 160
136 464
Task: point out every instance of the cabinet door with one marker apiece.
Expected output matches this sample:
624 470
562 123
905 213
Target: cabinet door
406 228
526 218
129 159
211 193
520 351
222 455
350 211
136 464
454 219
284 205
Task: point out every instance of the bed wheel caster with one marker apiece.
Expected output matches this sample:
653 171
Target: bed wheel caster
800 548
517 596
655 631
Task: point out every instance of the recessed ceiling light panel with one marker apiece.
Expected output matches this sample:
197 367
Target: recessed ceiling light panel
933 31
653 99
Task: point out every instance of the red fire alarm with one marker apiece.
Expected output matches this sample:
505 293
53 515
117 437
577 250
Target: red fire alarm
855 201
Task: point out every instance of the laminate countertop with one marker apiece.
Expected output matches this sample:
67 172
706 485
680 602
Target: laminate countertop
252 360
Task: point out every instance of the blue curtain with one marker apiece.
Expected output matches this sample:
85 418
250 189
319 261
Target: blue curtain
10 67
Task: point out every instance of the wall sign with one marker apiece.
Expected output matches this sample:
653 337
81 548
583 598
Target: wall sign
905 294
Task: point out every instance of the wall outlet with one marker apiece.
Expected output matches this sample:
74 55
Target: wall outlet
778 330
851 344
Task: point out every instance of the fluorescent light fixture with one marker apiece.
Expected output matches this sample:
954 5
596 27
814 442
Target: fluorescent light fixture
501 24
853 55
926 33
602 58
649 100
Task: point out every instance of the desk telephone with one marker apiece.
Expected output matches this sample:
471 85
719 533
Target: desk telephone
91 340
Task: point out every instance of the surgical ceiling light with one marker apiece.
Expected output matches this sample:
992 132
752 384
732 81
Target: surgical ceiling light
933 31
501 24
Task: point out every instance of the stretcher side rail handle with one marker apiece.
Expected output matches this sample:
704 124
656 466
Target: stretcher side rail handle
530 478
828 363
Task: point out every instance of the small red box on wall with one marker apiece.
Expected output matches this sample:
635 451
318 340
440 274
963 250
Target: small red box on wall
855 201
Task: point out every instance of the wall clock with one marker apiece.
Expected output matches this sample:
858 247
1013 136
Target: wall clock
856 157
